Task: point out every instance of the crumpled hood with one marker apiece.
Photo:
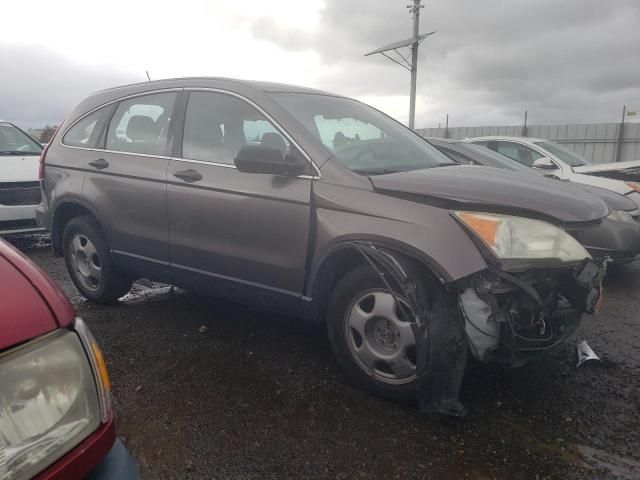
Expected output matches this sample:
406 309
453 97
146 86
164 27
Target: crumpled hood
629 166
498 190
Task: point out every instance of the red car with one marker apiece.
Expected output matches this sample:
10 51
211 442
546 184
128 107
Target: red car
56 417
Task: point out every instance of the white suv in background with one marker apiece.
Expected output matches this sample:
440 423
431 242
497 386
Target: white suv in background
19 183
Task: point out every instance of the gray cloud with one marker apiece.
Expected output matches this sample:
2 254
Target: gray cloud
563 61
38 87
569 61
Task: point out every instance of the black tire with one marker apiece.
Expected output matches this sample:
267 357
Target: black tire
113 284
354 284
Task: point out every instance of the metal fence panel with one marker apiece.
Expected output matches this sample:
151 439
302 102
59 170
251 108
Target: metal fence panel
597 142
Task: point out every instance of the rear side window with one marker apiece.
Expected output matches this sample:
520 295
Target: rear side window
517 152
85 132
141 125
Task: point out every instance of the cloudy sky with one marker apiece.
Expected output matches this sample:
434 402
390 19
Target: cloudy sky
563 61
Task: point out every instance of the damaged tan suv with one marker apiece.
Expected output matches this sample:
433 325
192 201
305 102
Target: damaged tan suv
320 206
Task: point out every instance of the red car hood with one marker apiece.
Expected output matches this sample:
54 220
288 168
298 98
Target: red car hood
31 304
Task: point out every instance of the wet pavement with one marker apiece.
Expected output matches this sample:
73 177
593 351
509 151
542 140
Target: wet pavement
209 389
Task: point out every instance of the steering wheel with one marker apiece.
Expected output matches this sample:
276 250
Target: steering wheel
362 153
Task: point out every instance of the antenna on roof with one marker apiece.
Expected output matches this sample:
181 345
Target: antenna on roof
148 77
405 62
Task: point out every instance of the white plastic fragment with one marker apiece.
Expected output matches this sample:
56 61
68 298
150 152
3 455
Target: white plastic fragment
585 353
483 332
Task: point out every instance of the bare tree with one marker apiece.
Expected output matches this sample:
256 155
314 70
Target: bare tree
47 133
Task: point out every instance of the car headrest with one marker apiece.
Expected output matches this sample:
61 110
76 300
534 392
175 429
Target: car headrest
275 141
141 128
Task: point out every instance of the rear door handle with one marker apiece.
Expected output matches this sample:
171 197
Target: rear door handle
188 175
100 163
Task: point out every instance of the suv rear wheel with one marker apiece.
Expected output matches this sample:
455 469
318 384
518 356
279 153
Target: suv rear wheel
373 344
88 260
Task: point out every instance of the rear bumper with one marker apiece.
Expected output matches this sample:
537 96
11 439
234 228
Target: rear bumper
42 216
618 240
117 465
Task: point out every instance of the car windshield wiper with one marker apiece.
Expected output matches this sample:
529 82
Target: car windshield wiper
376 171
17 153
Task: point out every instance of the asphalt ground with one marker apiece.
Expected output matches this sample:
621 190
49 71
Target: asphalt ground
209 389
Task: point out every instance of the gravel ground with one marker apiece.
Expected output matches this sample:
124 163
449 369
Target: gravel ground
209 389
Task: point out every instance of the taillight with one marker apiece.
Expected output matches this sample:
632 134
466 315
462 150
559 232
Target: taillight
41 167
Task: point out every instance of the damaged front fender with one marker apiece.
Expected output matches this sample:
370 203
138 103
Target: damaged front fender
503 317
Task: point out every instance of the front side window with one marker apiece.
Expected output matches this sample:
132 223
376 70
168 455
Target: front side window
360 137
85 132
563 154
217 125
141 125
14 141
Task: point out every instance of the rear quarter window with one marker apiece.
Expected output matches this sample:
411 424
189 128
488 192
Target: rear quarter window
85 132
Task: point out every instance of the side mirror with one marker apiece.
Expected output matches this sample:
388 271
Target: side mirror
544 163
260 159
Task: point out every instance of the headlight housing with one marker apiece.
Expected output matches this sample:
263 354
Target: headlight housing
49 403
634 196
621 216
521 242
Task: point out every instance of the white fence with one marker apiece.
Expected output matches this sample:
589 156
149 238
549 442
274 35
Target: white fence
598 142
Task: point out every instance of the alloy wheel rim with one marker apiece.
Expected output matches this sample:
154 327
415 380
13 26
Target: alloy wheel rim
381 343
86 262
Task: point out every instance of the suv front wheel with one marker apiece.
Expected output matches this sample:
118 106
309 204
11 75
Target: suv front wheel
89 262
372 342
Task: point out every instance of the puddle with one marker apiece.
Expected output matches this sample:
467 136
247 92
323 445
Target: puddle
145 290
622 468
30 241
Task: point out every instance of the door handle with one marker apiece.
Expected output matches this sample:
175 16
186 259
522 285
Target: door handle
100 163
188 175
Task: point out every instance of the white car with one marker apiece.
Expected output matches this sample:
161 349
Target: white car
19 183
554 159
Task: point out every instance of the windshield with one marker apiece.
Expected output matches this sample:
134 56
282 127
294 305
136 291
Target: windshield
14 141
489 158
361 138
568 157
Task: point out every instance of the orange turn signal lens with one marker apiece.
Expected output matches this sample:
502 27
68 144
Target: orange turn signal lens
102 366
486 228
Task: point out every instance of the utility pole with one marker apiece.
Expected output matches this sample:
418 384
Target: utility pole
415 10
404 61
620 142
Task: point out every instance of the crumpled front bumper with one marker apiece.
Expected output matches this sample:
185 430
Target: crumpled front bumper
510 318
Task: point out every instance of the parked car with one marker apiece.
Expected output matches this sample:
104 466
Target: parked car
318 205
617 236
553 157
19 185
56 417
